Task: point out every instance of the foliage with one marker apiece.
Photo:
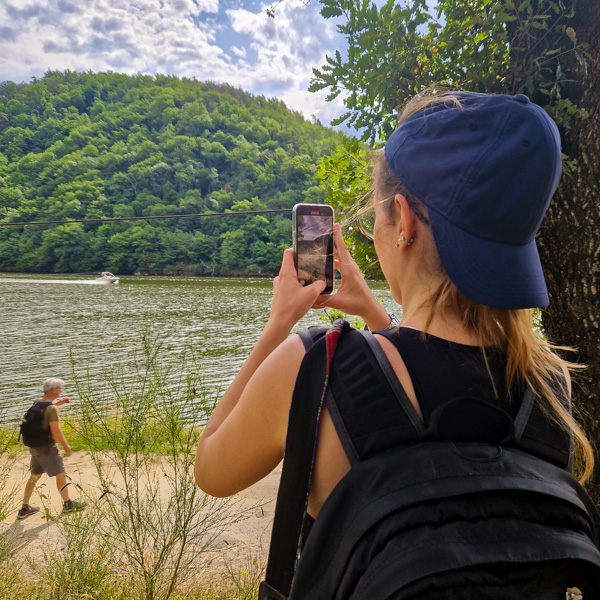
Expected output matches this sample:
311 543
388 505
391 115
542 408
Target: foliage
238 584
346 175
87 146
8 492
158 522
400 48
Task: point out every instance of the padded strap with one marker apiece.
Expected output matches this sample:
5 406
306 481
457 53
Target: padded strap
524 413
295 474
539 435
373 412
311 334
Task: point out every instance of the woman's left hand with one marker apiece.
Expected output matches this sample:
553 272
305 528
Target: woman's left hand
291 300
353 295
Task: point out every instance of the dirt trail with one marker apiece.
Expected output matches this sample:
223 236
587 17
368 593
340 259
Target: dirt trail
249 537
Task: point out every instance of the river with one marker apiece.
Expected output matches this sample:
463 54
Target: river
58 325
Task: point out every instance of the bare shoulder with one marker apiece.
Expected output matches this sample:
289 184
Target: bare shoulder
291 349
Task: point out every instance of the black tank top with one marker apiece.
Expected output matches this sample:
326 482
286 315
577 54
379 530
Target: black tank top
441 370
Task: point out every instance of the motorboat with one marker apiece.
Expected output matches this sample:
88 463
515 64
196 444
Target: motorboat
107 277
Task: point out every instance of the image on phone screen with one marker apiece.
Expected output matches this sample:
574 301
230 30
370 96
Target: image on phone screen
314 247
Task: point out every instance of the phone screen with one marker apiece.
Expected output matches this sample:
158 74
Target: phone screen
313 244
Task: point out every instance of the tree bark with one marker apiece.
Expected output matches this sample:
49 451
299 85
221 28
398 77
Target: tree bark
570 239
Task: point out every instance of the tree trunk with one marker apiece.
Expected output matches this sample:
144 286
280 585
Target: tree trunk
570 239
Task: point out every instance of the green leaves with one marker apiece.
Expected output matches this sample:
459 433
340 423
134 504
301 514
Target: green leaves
397 49
346 175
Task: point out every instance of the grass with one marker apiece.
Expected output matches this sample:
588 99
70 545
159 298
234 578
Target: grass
12 447
66 575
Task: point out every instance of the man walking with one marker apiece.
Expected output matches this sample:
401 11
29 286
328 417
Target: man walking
41 432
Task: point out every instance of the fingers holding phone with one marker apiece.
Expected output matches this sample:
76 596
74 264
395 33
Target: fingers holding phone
291 300
313 244
353 296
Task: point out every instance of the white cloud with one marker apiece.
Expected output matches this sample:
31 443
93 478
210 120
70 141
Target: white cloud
239 52
108 34
192 38
287 48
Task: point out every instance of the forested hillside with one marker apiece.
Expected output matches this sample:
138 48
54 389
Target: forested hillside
87 146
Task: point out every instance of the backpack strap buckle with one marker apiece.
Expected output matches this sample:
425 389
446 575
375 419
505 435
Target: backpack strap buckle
266 592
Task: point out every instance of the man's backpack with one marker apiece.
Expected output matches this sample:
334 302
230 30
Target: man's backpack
428 518
31 426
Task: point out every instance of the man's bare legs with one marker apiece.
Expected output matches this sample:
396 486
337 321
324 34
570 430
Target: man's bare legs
68 505
61 486
26 510
61 482
29 487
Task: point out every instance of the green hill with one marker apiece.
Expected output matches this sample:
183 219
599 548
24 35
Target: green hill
84 145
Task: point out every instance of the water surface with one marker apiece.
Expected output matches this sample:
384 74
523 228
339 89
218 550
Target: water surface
48 320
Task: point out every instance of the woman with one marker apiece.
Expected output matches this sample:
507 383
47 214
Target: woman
459 194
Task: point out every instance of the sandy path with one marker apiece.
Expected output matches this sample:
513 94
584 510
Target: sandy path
246 538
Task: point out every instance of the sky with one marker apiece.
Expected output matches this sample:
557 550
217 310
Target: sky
231 41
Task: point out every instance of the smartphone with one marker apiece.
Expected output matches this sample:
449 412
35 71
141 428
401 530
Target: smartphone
313 243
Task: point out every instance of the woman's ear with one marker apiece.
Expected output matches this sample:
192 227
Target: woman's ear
406 221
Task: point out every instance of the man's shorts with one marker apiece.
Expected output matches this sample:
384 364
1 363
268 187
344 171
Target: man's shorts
46 459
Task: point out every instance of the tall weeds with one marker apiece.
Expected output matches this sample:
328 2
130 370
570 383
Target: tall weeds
157 520
9 494
147 529
147 526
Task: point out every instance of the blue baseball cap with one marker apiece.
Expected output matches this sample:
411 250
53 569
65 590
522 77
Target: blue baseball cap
486 171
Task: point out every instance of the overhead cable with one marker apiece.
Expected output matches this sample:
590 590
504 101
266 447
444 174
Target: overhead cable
149 218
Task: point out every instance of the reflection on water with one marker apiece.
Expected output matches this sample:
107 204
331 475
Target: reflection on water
100 326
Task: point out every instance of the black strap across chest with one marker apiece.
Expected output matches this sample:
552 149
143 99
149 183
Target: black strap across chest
295 475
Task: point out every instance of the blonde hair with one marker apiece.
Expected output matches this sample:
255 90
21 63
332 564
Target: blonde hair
530 358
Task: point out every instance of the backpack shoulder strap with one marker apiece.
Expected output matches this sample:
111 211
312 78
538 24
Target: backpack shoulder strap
38 408
297 466
539 435
311 334
373 412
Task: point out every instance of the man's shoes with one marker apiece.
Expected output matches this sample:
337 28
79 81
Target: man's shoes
73 506
27 511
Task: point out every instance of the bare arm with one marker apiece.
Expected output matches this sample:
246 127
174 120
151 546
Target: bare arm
59 436
249 442
244 438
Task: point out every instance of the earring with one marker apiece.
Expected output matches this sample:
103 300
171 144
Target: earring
400 240
410 241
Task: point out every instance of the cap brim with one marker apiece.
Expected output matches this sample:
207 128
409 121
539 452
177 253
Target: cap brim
493 274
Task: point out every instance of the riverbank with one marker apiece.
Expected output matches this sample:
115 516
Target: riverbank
241 544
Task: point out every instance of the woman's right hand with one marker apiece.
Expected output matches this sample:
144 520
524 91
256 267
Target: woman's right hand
353 295
291 300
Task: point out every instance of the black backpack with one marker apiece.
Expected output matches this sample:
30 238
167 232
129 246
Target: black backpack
31 426
428 518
